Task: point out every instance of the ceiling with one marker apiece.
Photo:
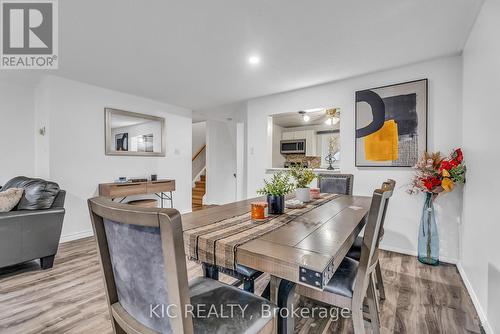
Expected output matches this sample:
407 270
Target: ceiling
294 119
194 53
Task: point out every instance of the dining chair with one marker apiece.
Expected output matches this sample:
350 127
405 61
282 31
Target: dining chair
147 290
355 254
353 280
336 183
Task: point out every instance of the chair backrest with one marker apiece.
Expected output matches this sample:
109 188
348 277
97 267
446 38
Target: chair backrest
336 183
142 257
373 231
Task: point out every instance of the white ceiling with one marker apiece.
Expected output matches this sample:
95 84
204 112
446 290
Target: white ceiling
294 119
194 53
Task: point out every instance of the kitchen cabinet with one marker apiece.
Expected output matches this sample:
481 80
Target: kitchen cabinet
287 135
311 143
299 134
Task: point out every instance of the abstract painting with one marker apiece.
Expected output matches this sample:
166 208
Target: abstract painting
391 125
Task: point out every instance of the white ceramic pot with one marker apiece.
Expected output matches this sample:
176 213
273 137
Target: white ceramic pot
303 194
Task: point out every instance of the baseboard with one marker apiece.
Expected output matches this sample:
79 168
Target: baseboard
414 253
480 312
76 236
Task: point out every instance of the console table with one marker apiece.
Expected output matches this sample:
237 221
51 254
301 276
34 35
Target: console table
161 188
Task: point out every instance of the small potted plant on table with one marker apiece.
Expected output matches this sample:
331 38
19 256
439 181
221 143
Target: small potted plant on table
303 177
276 189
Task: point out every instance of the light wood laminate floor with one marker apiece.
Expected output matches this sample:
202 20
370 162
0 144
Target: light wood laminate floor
69 298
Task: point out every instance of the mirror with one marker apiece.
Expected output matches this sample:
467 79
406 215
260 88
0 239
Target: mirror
129 133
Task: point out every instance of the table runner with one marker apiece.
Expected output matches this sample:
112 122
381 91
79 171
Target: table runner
216 243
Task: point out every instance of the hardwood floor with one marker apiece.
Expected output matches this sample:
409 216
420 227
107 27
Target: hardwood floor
70 297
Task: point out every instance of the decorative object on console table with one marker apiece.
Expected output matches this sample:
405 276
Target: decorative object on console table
276 189
434 175
391 125
303 177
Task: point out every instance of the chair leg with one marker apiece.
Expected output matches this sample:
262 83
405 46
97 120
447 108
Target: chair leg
210 271
249 286
380 282
373 306
357 320
47 262
286 293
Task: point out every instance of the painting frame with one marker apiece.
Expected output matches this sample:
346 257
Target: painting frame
425 106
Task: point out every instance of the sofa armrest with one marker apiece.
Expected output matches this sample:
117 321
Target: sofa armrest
27 213
29 234
59 200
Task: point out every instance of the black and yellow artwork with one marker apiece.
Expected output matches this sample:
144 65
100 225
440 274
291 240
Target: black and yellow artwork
391 125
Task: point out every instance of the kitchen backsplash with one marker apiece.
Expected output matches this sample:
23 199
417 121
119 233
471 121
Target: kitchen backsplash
313 162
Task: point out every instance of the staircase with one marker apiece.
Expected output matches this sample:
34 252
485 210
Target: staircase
198 192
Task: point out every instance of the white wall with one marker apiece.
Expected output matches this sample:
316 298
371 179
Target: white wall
278 160
199 136
74 114
221 162
17 131
481 87
445 105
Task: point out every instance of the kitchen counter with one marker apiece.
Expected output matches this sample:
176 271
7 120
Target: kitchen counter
315 170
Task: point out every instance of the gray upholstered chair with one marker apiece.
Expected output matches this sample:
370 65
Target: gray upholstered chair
147 288
336 183
33 229
354 280
355 254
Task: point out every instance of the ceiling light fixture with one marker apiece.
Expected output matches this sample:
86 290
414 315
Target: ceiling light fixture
254 60
333 116
314 109
305 117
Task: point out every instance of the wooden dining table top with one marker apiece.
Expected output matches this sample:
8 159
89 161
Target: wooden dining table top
307 250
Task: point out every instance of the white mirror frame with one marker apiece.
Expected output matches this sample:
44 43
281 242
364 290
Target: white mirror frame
108 112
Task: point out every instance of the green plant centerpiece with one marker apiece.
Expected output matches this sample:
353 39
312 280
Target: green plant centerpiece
276 189
303 177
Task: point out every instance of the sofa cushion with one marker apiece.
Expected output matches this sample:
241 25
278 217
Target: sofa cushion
38 194
9 199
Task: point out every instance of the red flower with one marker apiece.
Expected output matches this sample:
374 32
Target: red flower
454 163
431 182
445 164
458 155
428 184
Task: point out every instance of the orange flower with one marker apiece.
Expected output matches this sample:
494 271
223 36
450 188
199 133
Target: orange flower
447 184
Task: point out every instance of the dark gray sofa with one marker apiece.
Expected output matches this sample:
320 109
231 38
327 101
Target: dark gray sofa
33 229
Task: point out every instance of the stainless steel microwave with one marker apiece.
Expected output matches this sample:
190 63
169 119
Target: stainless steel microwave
294 146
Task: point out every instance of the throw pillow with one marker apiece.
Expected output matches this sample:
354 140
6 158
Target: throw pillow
9 199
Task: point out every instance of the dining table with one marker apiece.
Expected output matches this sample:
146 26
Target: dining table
302 246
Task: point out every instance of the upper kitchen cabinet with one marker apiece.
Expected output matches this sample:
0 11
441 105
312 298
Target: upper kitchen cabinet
311 143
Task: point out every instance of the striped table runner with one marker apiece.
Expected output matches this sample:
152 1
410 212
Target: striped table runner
216 243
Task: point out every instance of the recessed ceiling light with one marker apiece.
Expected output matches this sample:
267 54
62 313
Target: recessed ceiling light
254 60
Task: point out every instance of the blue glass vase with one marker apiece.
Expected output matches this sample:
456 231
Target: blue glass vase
428 238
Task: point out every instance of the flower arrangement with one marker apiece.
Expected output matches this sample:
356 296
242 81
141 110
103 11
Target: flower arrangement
303 176
434 174
280 185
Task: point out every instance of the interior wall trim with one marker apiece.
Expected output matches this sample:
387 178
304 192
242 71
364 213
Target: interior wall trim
475 300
